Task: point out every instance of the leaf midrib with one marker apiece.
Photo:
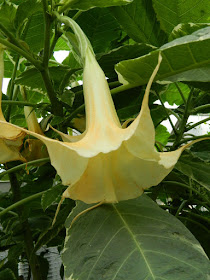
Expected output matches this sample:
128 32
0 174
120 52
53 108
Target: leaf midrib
197 65
134 240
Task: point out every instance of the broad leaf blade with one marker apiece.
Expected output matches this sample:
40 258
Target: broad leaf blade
7 15
35 35
184 29
7 274
197 170
100 27
26 9
184 59
108 60
133 240
139 21
172 12
51 196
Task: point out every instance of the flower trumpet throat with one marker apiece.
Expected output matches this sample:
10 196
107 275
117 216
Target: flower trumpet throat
11 137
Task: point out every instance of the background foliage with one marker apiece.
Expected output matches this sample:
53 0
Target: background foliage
126 36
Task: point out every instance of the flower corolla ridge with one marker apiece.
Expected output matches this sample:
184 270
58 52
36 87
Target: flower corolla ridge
11 137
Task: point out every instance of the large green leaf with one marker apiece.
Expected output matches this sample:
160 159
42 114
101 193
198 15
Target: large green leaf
139 21
100 27
184 59
201 150
7 274
172 96
107 61
25 11
133 240
162 134
172 12
7 15
89 4
8 66
35 35
196 169
184 29
32 78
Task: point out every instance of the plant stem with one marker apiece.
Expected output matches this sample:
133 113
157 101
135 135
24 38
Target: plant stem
187 187
57 107
122 88
76 112
12 86
65 7
47 32
183 121
55 38
23 165
180 208
180 92
27 234
11 37
194 138
23 103
9 212
198 123
200 108
18 50
205 219
166 112
194 222
77 15
20 202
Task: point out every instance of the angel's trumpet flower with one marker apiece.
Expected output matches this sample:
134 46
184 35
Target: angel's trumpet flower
33 148
11 137
108 163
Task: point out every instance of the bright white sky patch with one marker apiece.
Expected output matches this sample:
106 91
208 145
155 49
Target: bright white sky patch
60 55
5 85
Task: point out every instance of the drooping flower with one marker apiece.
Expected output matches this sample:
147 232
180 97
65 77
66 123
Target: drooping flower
33 148
108 163
11 137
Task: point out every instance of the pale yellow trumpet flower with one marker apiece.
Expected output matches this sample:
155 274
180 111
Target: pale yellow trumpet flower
108 163
33 148
11 137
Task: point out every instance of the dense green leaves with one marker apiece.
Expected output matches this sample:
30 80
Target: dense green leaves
195 169
171 93
26 10
171 13
184 29
35 36
139 21
32 79
7 274
179 58
100 27
51 196
134 240
7 15
107 61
